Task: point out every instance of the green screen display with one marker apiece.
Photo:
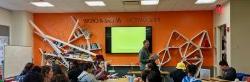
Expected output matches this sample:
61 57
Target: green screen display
127 39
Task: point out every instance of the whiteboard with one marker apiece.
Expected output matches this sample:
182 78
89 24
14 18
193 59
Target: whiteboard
15 58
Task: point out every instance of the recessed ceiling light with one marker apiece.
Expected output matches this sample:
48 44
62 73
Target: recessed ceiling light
42 4
149 2
95 3
205 1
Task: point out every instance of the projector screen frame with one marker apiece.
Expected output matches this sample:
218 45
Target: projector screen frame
108 38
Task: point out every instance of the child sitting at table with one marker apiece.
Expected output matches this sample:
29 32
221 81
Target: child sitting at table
191 70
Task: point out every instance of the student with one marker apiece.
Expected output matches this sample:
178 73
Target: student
100 72
34 75
191 70
86 75
144 55
228 73
154 74
178 74
26 69
75 71
47 73
144 75
58 74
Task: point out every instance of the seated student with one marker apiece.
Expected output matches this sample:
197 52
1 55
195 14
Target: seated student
154 74
58 74
100 72
191 70
34 75
86 75
75 71
228 73
144 75
178 74
26 69
47 73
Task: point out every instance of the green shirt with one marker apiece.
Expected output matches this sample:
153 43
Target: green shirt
144 55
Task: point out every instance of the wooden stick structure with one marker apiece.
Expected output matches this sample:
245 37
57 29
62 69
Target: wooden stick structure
187 49
47 37
58 52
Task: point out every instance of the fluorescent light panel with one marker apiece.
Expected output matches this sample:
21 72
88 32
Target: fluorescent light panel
42 4
205 1
149 2
95 3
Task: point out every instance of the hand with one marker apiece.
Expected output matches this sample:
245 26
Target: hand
218 76
154 57
149 60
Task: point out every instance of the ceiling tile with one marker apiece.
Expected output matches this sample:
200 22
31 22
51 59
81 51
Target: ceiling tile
111 6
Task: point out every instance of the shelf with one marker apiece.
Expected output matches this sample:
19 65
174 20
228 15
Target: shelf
47 54
123 65
79 36
173 47
95 49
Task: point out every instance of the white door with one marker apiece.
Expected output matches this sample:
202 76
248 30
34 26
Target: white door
3 42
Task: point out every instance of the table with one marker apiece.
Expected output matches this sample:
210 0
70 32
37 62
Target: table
116 80
213 79
163 73
139 72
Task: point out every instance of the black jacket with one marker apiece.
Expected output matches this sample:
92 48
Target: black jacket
229 74
33 76
178 75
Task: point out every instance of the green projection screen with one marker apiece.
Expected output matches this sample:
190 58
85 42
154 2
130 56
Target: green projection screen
126 39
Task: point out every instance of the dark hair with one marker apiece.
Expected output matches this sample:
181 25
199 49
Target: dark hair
27 68
223 63
45 70
192 69
57 69
154 74
145 41
144 75
34 75
36 69
59 78
75 63
99 58
87 66
58 74
152 66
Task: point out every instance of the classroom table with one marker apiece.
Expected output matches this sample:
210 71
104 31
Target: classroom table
163 73
117 80
139 72
213 79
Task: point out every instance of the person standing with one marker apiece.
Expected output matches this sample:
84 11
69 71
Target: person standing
144 55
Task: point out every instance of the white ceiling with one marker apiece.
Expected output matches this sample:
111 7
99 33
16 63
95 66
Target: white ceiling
62 6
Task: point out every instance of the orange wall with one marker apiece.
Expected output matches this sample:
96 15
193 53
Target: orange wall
189 23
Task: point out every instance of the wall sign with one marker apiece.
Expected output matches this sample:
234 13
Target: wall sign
118 19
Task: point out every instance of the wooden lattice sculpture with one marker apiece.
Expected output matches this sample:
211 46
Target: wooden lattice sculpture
190 50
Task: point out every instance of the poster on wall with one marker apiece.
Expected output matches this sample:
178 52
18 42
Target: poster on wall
3 42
